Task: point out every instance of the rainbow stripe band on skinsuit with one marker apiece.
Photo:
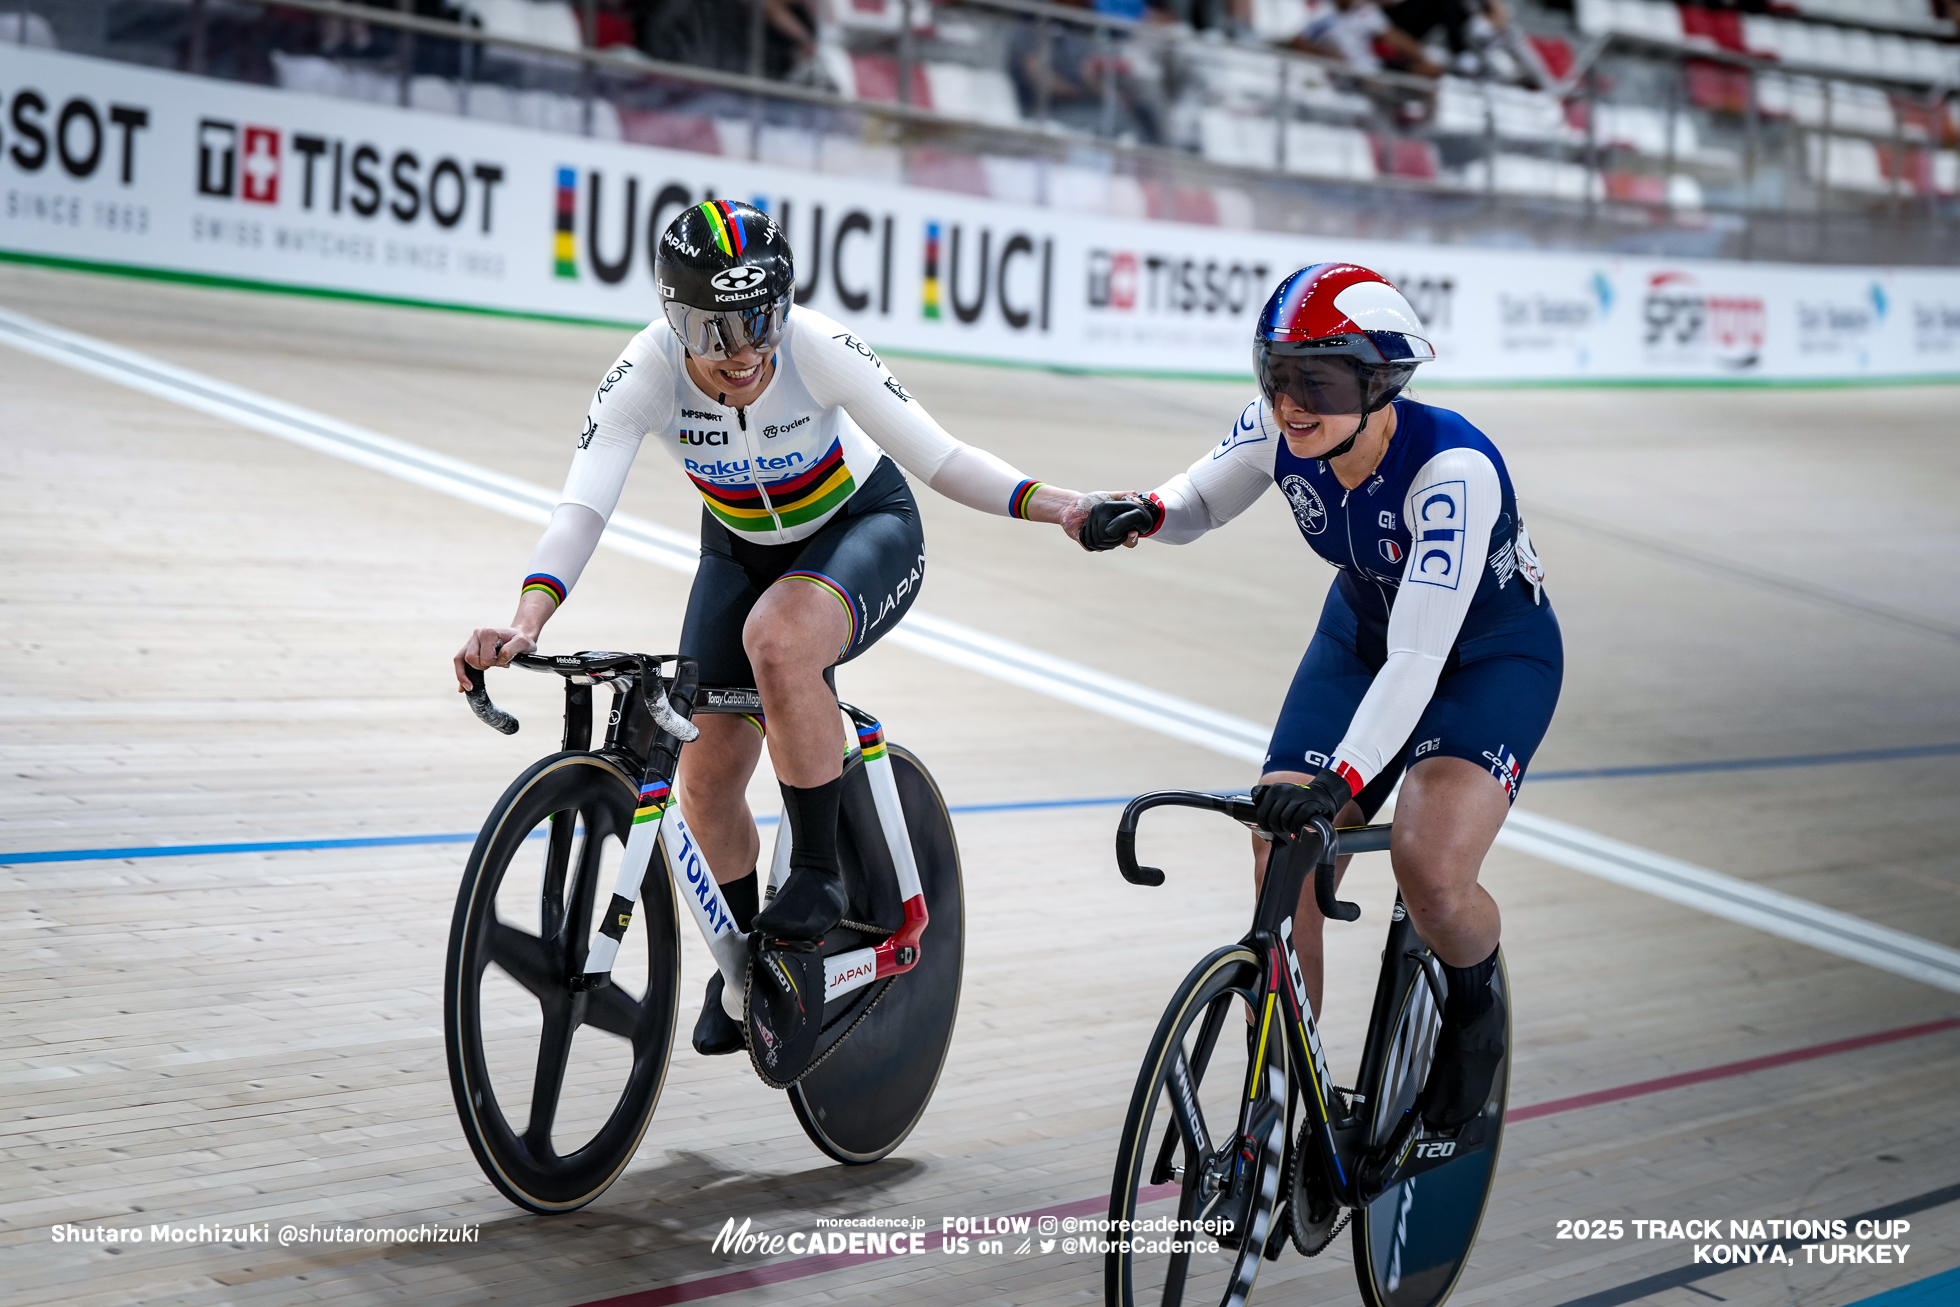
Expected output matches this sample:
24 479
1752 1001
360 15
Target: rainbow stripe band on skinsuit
726 226
1017 503
792 501
871 742
836 592
544 583
653 802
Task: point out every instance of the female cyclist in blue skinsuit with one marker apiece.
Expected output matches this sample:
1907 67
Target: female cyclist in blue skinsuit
1437 658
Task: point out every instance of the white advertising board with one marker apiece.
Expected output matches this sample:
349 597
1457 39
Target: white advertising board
109 164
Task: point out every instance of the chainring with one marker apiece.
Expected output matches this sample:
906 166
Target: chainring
1313 1216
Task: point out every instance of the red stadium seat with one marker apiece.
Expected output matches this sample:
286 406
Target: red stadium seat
876 76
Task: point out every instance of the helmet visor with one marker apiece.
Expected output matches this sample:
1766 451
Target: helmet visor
1329 385
718 333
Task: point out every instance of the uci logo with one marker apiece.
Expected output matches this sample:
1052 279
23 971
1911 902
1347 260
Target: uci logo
738 279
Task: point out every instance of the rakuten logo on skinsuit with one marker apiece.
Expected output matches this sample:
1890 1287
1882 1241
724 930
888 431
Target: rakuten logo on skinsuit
257 164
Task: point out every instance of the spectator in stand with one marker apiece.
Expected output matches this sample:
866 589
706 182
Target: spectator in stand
1349 33
1074 72
717 35
1482 39
611 23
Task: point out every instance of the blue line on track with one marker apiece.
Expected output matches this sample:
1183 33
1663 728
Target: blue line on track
1029 805
1926 1293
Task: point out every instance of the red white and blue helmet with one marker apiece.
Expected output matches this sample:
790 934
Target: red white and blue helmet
1338 339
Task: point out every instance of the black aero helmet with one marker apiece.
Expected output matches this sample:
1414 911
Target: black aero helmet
725 278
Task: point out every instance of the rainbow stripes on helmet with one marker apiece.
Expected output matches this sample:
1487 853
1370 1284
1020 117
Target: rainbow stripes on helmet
726 225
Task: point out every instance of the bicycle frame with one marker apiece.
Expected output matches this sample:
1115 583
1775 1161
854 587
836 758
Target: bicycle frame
658 820
1359 1168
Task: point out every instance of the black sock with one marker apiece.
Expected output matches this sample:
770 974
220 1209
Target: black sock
1470 992
812 817
743 899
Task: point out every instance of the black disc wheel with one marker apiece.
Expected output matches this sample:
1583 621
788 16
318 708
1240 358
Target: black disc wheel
1412 1243
885 1044
555 1087
1184 1169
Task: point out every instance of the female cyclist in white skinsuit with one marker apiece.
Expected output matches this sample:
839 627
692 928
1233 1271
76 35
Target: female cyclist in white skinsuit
794 434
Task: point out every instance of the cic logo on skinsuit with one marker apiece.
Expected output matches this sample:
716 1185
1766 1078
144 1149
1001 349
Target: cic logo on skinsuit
1438 531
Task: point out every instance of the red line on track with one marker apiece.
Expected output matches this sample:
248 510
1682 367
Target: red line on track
713 1286
1728 1069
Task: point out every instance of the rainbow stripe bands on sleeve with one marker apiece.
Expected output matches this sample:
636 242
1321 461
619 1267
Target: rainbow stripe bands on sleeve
544 583
1017 503
653 802
871 741
726 227
836 592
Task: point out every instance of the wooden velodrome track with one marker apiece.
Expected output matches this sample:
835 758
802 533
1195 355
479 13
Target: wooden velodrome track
212 636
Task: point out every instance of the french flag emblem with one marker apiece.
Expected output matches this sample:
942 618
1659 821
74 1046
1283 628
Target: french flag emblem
1391 551
1504 766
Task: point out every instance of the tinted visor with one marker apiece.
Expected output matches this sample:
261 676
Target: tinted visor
718 333
1329 385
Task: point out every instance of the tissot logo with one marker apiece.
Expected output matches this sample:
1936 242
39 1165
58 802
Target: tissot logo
321 174
79 135
1125 282
738 279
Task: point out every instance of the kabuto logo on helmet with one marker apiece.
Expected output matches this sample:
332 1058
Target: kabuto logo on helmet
742 279
727 279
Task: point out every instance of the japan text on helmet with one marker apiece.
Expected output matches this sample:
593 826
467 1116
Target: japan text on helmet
1337 339
725 278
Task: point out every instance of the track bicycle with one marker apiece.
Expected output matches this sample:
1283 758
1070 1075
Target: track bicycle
559 1027
1225 1158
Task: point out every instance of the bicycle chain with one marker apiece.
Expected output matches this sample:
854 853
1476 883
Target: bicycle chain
1296 1210
822 1057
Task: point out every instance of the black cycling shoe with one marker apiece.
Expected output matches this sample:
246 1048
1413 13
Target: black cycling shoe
809 906
1468 1054
716 1033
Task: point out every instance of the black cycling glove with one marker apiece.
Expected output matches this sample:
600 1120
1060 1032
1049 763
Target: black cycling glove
1109 523
1287 809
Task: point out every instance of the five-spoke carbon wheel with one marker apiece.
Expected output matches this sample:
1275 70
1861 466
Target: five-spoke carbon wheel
555 1087
1181 1153
1412 1243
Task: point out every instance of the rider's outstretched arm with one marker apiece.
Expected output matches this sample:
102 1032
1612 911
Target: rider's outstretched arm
839 369
1222 484
1439 580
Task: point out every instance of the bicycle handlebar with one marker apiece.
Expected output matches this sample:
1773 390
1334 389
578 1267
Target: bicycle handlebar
597 666
1239 808
489 713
